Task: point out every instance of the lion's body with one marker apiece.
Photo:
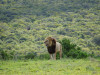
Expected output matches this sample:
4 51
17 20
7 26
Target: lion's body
58 46
53 47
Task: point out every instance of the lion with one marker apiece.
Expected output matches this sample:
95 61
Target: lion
53 47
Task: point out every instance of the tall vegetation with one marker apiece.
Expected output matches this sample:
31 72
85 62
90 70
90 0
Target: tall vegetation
96 39
24 24
72 50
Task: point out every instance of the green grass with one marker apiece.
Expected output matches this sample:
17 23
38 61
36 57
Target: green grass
89 66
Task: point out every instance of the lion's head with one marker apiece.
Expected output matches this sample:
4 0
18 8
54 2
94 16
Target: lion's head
49 41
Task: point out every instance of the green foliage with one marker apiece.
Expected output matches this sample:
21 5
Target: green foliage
6 55
25 24
61 32
77 54
96 39
66 45
30 55
44 56
12 9
72 50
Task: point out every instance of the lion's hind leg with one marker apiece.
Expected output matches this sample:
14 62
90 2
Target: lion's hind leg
60 52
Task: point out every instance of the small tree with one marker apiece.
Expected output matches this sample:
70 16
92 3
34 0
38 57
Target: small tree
72 50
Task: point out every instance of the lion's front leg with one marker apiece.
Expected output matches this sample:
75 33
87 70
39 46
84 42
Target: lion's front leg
54 56
51 56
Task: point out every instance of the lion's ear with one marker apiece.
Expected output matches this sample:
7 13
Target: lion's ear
53 41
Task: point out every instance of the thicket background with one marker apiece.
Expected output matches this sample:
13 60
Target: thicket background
24 24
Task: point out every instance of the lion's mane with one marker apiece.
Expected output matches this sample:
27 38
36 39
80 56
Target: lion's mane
52 43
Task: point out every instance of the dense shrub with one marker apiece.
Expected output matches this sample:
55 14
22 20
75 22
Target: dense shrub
30 55
77 54
61 32
22 39
96 39
72 50
6 55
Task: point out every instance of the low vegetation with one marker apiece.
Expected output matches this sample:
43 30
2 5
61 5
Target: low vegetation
67 66
72 50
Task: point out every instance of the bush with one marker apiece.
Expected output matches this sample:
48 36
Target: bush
4 55
96 39
72 50
30 55
67 46
77 54
62 32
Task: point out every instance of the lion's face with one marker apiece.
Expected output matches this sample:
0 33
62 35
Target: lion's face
48 41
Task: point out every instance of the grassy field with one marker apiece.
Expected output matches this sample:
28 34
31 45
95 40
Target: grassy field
89 66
